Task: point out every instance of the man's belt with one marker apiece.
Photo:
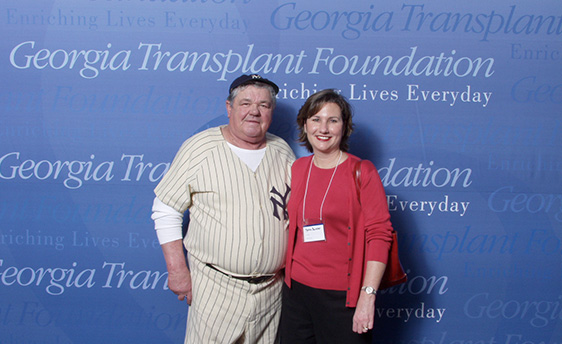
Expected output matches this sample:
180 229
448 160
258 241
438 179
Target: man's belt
249 279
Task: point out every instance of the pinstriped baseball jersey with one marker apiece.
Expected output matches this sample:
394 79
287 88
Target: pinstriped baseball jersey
237 217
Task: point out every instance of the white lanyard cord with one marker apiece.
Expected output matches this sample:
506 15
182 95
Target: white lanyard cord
326 194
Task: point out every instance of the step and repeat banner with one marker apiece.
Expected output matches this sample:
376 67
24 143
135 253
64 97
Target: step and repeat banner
458 104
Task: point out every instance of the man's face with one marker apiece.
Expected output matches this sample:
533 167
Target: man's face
250 114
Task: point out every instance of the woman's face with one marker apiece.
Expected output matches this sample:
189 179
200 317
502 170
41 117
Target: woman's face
324 129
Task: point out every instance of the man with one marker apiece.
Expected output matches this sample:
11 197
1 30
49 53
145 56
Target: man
234 179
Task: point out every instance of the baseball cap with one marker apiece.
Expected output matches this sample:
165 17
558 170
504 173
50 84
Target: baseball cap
246 79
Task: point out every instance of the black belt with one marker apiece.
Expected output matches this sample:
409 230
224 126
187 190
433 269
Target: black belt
249 279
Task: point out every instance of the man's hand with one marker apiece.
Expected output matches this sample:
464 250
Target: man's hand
180 283
179 277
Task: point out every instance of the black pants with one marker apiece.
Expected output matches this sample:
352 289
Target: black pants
311 315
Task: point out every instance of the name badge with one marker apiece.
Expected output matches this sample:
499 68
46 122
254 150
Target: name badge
314 233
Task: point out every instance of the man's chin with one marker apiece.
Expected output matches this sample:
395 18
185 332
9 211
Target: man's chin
255 138
257 133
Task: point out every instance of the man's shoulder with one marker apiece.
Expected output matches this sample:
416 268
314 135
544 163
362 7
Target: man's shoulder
213 133
279 145
204 139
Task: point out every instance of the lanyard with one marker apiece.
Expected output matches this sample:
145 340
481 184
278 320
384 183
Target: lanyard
326 194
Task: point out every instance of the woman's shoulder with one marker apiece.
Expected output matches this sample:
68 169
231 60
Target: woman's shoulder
364 162
367 167
301 163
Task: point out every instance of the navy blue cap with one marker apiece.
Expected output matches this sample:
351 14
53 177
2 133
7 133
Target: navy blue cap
252 78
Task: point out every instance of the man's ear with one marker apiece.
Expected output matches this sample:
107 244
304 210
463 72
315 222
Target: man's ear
228 108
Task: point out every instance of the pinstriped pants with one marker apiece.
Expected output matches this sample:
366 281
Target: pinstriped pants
227 310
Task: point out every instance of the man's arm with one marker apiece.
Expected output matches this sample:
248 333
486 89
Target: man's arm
168 222
179 276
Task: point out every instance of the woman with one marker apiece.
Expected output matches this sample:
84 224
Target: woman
338 244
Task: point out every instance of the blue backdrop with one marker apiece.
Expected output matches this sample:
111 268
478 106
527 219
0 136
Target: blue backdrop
458 105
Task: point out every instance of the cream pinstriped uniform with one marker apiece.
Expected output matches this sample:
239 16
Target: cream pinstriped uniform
237 223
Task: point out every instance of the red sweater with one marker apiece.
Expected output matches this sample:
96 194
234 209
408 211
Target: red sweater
310 266
368 230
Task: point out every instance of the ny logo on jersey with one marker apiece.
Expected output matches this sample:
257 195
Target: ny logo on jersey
282 204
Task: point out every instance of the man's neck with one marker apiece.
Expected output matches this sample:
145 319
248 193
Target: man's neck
238 142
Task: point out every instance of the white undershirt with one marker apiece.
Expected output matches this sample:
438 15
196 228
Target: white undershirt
251 157
168 221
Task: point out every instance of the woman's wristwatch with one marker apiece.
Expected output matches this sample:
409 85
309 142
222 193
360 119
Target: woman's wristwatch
369 290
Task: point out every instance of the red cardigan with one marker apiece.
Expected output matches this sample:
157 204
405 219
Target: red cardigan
369 226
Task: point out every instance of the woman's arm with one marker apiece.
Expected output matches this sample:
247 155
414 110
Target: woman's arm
364 317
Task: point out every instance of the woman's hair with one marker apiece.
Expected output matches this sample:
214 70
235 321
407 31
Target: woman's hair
314 104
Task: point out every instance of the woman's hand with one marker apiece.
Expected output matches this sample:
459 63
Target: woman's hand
364 317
